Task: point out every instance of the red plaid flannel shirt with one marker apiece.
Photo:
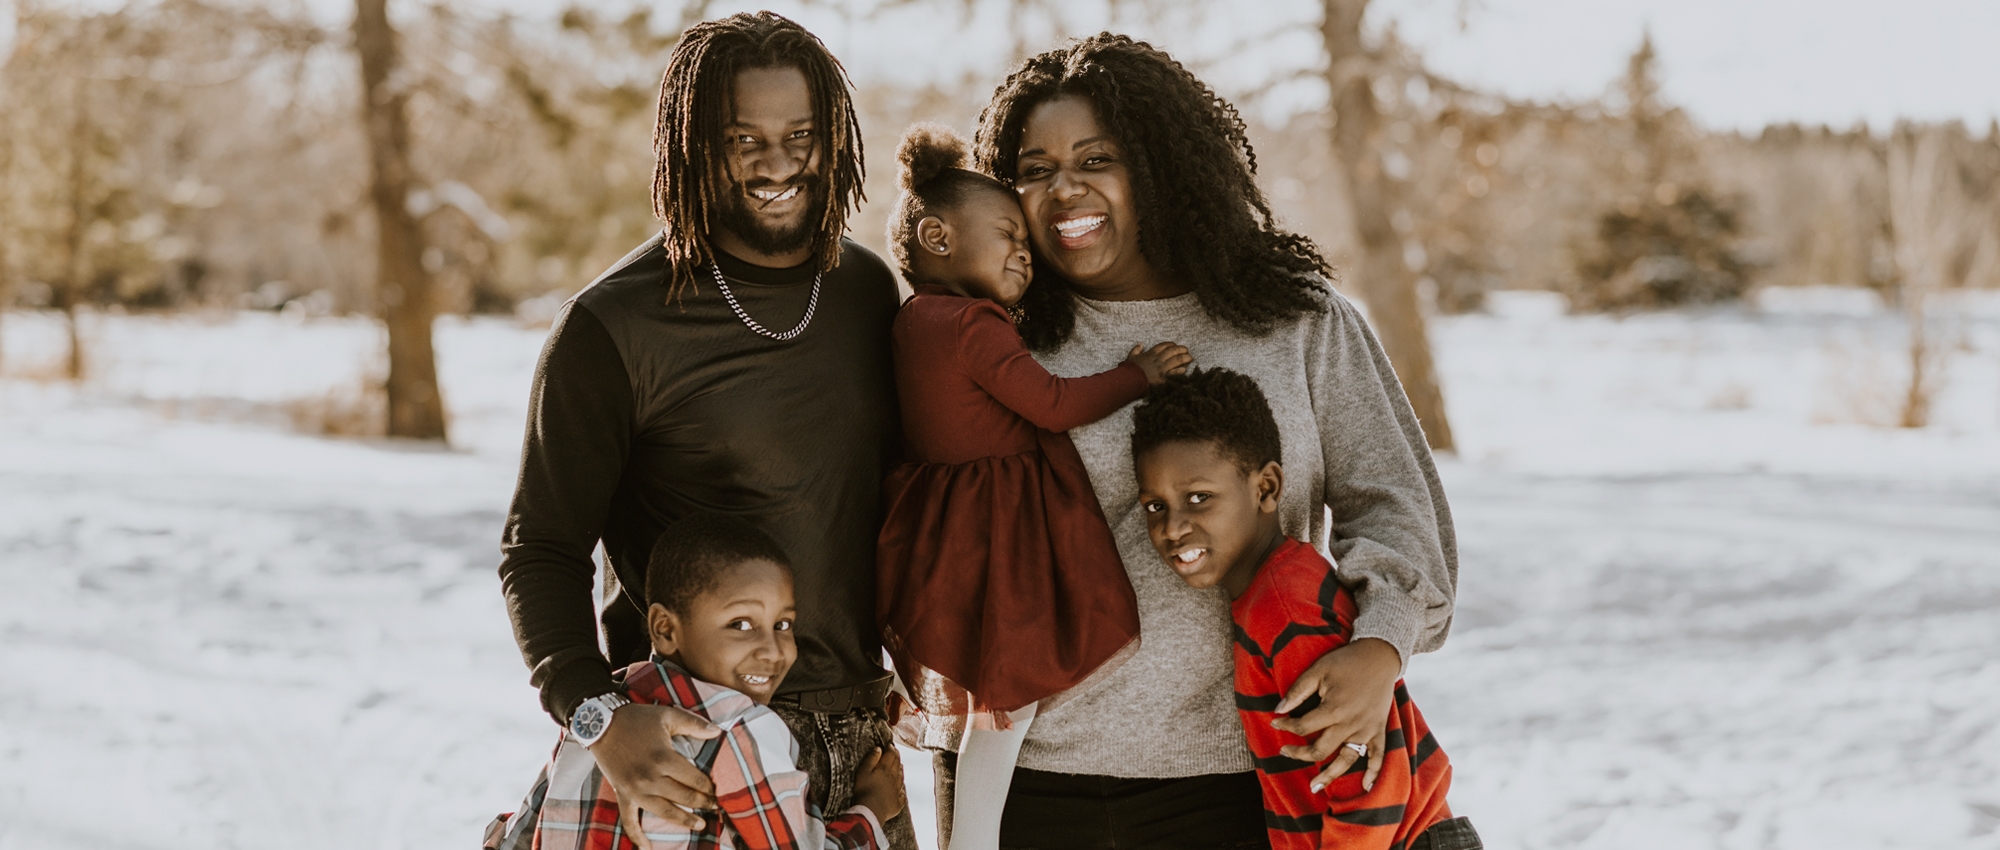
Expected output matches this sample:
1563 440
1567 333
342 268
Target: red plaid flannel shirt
759 786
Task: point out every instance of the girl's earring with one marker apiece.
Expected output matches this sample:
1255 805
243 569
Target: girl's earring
1017 313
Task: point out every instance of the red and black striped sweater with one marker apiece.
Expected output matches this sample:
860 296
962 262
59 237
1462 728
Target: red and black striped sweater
1293 613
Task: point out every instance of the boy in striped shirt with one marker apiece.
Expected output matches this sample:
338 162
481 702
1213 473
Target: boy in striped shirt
1206 451
720 612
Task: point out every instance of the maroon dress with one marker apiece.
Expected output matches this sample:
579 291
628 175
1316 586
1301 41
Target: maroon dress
999 584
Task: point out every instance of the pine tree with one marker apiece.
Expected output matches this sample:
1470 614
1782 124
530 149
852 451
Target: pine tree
1670 239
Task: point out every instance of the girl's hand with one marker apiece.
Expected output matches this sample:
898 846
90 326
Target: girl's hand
879 783
1160 361
1356 686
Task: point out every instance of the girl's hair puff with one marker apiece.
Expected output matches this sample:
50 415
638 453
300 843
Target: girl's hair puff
931 170
925 152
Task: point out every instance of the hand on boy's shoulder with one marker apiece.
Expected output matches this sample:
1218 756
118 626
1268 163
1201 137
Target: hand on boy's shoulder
637 756
1356 686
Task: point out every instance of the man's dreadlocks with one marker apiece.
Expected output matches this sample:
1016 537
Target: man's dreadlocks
697 96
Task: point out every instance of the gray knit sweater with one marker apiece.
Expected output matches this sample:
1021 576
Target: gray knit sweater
1351 444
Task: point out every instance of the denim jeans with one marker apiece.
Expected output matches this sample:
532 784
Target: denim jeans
832 747
1454 834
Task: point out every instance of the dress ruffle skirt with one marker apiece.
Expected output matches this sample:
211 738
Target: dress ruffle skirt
999 586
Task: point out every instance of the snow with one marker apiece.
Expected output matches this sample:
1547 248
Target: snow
1704 602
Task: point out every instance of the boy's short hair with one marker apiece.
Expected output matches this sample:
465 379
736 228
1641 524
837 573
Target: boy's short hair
1209 406
694 553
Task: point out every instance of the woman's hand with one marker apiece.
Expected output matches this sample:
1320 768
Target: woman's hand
638 759
879 784
1160 361
1356 686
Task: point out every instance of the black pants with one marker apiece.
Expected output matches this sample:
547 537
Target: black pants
1062 811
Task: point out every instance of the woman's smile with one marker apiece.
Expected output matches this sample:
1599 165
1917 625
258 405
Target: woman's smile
1078 229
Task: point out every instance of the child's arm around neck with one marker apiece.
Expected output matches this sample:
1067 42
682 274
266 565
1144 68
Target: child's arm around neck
991 352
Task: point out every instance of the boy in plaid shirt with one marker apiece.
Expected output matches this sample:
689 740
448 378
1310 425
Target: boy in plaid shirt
720 611
1206 451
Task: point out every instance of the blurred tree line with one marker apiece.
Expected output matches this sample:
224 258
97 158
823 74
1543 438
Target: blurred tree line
168 154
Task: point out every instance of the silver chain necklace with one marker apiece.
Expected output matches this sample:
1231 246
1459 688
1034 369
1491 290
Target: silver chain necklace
812 303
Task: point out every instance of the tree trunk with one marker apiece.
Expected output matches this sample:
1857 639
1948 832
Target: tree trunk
6 224
1387 284
1916 411
403 288
69 290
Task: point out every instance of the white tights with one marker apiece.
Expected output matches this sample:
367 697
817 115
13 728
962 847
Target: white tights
985 769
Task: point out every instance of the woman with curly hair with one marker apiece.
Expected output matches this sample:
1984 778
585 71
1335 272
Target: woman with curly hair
1138 186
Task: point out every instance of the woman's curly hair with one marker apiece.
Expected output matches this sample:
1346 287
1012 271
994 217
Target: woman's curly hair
1202 219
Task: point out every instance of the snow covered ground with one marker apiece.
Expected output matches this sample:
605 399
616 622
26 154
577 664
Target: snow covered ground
1703 602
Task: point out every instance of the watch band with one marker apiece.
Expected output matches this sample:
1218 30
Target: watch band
592 717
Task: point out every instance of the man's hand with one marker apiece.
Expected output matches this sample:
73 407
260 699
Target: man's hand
879 784
638 759
1356 686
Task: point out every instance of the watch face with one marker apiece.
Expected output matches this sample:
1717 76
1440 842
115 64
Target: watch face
589 721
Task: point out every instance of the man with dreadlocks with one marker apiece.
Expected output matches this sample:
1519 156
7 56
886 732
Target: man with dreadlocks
738 363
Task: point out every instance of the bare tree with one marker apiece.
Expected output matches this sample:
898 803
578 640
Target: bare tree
1938 243
73 124
76 184
7 229
98 128
403 287
553 126
1387 284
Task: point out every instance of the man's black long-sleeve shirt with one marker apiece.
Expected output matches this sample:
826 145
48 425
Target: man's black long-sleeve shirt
644 411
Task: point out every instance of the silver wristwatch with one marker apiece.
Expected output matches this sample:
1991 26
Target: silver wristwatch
593 716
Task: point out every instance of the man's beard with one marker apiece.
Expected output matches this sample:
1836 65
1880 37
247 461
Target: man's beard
738 215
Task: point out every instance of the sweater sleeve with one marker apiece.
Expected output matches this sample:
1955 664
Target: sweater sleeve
1391 531
991 351
578 435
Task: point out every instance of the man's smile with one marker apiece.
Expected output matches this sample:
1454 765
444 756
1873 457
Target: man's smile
776 196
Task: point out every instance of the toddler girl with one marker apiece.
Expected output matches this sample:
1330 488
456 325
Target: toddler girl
999 585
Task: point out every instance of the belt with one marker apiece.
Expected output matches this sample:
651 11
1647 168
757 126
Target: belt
839 700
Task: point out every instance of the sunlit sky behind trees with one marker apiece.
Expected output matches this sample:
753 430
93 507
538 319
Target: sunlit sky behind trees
1731 63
